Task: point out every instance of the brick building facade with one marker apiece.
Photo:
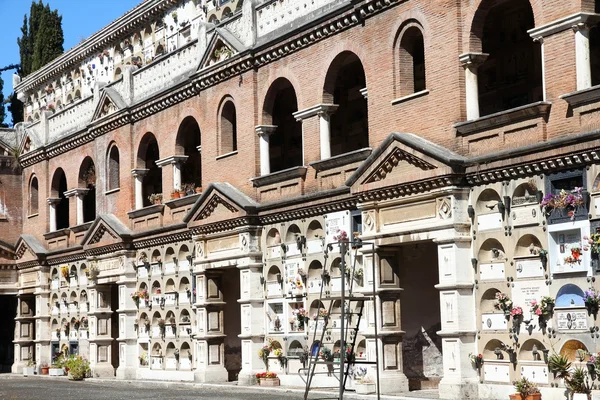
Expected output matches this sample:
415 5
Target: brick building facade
432 129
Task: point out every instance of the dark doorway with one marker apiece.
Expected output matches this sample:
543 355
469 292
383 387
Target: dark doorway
232 325
87 180
114 326
188 142
421 347
148 154
8 313
59 187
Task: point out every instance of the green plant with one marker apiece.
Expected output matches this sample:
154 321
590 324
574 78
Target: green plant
79 368
155 198
559 365
579 381
524 387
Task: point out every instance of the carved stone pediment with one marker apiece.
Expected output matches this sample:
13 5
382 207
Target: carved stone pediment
220 202
221 46
406 160
109 103
106 231
28 248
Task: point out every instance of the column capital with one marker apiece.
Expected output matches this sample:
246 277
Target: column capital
319 109
76 192
171 160
581 26
139 172
472 60
53 200
265 130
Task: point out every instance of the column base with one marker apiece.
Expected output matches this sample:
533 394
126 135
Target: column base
392 382
103 371
129 373
216 374
462 390
246 378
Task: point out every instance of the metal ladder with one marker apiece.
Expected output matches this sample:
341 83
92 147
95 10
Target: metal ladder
350 318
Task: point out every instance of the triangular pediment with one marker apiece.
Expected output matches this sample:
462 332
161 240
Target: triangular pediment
404 159
109 103
106 230
220 202
221 46
28 248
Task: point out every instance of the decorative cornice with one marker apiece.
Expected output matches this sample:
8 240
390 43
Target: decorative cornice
408 189
306 212
222 226
119 28
171 160
342 159
562 24
315 110
169 237
279 176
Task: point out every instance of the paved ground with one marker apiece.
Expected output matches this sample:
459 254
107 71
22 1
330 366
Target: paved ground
16 387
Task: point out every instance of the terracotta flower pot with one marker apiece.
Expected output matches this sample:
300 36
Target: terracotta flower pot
175 195
44 370
517 396
269 382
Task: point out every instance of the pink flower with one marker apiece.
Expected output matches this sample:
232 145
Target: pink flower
538 312
533 303
585 248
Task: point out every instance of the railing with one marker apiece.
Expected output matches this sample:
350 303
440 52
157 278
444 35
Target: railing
276 13
72 118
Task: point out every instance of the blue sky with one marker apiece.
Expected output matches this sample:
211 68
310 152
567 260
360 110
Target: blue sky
80 19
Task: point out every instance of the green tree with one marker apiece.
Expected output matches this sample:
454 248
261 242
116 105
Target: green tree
2 109
41 38
15 107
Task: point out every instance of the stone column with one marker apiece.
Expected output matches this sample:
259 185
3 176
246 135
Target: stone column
139 174
582 55
324 112
471 62
264 131
176 162
79 195
52 203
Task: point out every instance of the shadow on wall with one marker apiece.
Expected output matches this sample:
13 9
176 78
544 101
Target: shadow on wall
422 358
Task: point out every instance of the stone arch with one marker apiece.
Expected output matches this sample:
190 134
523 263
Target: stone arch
113 170
285 143
570 295
147 155
486 305
491 250
33 195
410 59
87 181
314 230
292 232
343 86
511 76
528 245
58 189
569 349
188 143
528 352
227 125
489 351
273 237
486 201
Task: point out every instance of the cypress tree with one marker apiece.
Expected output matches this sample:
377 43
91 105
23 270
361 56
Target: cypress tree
2 110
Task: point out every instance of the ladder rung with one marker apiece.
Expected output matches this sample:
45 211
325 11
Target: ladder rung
349 298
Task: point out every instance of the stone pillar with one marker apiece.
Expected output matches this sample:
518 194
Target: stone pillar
582 55
52 203
176 162
323 111
264 131
139 174
472 61
458 313
79 195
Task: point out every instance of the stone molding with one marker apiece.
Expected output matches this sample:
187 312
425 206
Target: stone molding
563 24
315 110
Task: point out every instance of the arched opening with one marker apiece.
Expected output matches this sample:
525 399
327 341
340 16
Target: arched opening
33 196
411 62
59 187
147 156
344 86
285 143
228 128
188 143
113 170
511 76
87 180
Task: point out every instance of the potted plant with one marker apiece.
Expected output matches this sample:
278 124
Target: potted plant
526 390
592 301
504 304
44 368
175 194
365 385
29 369
267 379
56 369
559 365
198 189
579 383
155 198
78 367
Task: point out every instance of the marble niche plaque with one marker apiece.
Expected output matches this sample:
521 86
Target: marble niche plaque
493 271
496 372
523 216
493 322
531 268
571 320
535 373
523 293
488 222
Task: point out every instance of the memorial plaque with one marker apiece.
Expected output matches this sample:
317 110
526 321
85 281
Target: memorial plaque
535 373
337 221
523 216
571 320
314 286
561 244
314 246
529 268
493 322
274 252
493 271
597 205
246 351
213 321
489 222
496 372
214 353
525 292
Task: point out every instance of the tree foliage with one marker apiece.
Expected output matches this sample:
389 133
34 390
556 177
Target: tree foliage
2 109
41 38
